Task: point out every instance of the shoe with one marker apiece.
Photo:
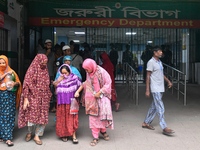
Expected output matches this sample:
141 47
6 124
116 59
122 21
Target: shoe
28 137
94 142
9 143
168 131
38 142
147 126
75 140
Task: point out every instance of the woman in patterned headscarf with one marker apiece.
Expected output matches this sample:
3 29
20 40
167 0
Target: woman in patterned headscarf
96 99
35 98
10 90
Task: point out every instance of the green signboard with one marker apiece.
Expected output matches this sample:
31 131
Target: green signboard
3 6
126 10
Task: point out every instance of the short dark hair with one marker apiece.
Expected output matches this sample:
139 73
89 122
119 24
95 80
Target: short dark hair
156 48
71 42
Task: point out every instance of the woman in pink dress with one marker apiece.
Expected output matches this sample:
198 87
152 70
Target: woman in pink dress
96 99
35 99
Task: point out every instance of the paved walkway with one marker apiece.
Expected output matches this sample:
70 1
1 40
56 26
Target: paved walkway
128 134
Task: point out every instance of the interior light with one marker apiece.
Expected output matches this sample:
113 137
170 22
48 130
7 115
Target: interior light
79 32
149 41
130 33
76 41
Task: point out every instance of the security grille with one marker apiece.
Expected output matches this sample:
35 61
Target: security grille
3 40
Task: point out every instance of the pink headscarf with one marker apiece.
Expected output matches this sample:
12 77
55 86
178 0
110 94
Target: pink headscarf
90 64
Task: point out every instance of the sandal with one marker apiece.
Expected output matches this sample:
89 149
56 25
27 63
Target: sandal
9 143
38 142
94 142
105 136
1 140
168 131
28 137
75 140
64 139
147 126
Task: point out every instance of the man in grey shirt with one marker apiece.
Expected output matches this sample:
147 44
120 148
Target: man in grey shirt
155 81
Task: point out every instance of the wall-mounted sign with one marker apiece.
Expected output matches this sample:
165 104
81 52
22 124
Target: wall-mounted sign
115 14
99 22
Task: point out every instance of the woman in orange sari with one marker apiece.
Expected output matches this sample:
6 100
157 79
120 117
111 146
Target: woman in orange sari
10 90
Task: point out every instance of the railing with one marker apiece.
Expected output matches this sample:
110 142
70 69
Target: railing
178 79
130 76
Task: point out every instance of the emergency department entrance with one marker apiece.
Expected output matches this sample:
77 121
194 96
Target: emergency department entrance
105 39
117 24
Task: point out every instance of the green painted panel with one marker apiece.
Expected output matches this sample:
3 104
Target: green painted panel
9 54
126 9
3 6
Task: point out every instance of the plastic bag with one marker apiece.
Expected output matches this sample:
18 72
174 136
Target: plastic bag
74 107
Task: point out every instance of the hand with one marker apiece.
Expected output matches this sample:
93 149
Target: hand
60 78
76 94
10 84
97 95
169 84
147 94
26 103
10 72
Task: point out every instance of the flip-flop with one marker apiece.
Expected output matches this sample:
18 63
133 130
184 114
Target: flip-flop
148 127
75 141
64 139
38 142
9 143
28 137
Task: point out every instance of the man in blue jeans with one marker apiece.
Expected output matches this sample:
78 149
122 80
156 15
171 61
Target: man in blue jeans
155 81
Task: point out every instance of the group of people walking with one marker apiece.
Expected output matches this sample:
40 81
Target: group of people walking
35 99
97 94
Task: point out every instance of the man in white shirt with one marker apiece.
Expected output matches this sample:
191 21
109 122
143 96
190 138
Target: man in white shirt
155 82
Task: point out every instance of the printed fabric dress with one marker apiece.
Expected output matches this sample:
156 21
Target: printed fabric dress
9 101
36 89
99 110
